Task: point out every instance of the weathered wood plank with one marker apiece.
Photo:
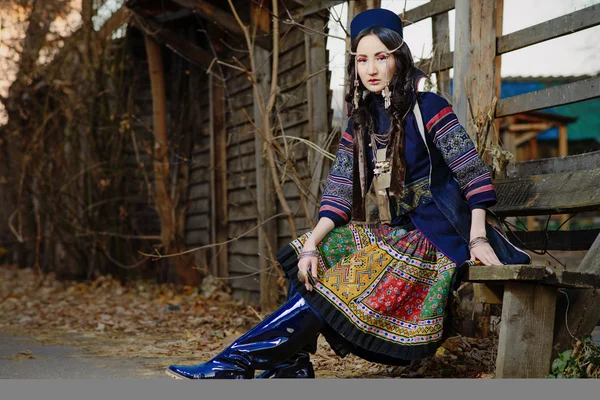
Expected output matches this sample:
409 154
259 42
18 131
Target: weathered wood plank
548 194
570 23
525 341
480 273
550 97
535 274
427 10
553 165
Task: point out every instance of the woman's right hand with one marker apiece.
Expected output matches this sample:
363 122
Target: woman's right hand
308 265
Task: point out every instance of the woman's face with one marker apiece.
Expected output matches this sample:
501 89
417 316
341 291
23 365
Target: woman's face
375 66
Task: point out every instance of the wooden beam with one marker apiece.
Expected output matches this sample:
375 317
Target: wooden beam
310 7
533 274
177 43
540 126
224 19
526 327
116 20
557 27
525 137
544 166
427 10
559 193
482 273
553 96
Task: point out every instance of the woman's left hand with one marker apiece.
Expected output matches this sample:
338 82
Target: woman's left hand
484 253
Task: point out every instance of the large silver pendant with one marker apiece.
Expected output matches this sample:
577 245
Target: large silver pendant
381 181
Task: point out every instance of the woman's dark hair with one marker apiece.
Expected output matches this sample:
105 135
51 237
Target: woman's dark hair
401 83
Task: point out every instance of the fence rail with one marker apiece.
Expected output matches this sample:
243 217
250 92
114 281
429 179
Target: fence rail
554 96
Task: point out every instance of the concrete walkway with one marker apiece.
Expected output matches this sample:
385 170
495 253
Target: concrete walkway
65 362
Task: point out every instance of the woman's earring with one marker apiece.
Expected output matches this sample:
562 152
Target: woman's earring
356 94
387 96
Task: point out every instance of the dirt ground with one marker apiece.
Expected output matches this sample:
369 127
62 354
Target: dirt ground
148 326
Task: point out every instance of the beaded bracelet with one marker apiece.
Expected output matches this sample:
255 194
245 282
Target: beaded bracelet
477 240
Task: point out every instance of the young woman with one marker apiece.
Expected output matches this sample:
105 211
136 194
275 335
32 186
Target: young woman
379 291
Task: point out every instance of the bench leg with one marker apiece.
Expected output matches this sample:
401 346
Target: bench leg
526 331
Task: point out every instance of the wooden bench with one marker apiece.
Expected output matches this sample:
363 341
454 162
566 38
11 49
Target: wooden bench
528 293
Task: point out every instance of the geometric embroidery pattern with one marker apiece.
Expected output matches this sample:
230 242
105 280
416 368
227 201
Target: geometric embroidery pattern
389 283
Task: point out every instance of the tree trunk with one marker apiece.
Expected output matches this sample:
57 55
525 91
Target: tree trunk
15 200
171 239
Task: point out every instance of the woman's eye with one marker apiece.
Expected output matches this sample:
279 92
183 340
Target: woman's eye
381 58
361 60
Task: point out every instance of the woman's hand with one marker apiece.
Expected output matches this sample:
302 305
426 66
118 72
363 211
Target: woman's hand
479 247
308 265
484 253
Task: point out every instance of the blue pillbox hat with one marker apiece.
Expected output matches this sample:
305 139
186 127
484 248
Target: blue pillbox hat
375 17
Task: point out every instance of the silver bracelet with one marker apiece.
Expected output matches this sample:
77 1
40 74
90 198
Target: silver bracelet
477 240
308 253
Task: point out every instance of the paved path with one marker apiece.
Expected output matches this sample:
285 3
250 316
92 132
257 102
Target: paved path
63 362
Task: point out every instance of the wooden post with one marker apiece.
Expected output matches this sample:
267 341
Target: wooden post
218 175
265 192
358 6
474 63
317 89
563 144
441 45
526 327
563 151
498 67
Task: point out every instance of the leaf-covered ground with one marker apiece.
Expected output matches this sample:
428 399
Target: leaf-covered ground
183 325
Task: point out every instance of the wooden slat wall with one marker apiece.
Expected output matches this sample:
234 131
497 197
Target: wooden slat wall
294 112
241 184
197 226
292 107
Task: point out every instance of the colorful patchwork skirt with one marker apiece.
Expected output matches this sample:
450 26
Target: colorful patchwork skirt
382 290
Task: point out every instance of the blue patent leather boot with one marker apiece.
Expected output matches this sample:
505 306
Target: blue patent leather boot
273 341
297 366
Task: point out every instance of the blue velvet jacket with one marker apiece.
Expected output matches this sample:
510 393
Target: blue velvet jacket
444 165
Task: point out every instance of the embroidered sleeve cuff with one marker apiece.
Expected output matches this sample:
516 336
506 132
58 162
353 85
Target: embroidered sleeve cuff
483 200
337 219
